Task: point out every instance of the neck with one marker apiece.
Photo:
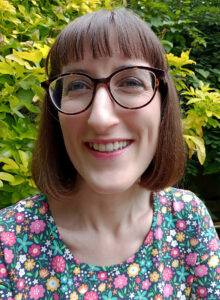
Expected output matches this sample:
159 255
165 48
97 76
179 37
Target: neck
104 213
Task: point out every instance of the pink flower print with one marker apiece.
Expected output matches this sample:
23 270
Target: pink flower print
201 291
77 261
201 271
56 297
8 255
213 244
167 274
168 290
163 200
178 206
206 219
19 217
159 219
218 270
190 279
120 281
149 238
37 226
34 250
138 280
20 284
146 284
158 234
181 224
102 276
191 259
58 264
175 252
91 296
3 271
8 238
130 259
37 292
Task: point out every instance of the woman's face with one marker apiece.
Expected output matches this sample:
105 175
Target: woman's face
106 125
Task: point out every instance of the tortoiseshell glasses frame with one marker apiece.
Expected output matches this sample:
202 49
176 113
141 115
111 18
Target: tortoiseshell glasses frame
159 80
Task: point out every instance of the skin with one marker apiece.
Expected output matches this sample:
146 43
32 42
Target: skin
109 214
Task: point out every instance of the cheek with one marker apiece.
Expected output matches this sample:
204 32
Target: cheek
71 131
148 120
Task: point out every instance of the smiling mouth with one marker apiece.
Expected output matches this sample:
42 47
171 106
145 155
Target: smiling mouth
109 147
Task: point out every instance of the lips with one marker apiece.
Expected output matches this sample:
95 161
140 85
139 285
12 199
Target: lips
108 147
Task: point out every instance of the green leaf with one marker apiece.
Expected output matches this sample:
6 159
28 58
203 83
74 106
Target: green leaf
167 45
32 108
16 58
44 50
156 21
204 73
34 55
6 176
10 164
17 180
196 143
7 7
4 108
24 158
3 129
5 68
120 294
26 95
14 101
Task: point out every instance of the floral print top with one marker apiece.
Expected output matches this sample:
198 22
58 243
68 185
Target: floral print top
179 258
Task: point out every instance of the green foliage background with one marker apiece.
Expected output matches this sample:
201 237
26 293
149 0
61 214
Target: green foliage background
190 34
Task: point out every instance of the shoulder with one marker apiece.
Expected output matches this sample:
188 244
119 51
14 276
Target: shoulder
26 205
16 216
191 202
181 214
185 207
181 200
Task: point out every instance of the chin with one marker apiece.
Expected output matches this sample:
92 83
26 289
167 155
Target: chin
111 188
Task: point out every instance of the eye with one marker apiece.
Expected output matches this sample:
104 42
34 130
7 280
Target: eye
131 82
77 85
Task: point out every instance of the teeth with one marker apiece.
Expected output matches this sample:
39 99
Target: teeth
110 147
116 145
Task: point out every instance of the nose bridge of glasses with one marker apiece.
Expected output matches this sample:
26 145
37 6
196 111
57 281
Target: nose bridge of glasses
103 81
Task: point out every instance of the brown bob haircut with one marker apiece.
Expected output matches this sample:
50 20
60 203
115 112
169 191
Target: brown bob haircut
52 169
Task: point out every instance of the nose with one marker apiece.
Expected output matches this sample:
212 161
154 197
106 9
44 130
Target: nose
103 114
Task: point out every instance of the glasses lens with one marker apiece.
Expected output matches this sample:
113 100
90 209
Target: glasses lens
71 93
133 87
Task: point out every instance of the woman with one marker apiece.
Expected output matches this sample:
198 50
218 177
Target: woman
106 226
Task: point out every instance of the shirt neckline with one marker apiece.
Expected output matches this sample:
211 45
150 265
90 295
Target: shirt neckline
72 259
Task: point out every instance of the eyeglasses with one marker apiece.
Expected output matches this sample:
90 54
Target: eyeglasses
131 87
